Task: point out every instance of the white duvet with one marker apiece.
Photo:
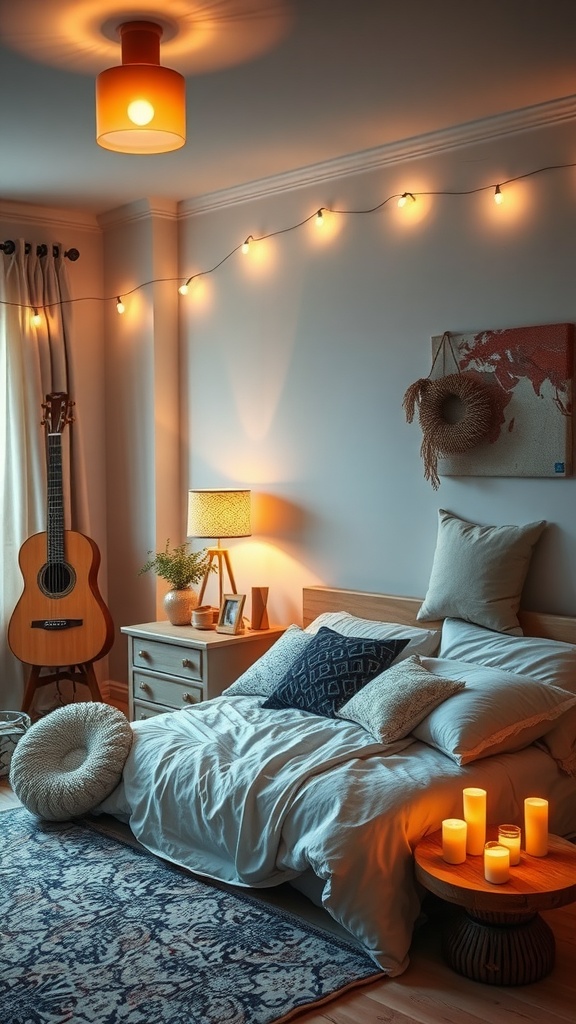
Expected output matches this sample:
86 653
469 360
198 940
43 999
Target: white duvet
257 797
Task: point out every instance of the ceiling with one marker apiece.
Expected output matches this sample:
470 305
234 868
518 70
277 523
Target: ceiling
272 85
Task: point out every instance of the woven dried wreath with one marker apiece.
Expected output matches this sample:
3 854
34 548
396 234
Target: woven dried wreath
441 436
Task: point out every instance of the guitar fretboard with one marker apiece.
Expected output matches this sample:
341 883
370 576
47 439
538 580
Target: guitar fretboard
55 511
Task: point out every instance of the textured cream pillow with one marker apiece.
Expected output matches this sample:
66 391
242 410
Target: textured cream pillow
398 699
478 572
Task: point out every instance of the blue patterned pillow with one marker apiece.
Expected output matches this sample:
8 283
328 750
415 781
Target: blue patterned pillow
330 670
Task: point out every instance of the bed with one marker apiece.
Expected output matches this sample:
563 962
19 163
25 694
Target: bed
257 796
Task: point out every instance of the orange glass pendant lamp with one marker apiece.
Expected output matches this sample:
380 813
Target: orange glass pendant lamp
140 106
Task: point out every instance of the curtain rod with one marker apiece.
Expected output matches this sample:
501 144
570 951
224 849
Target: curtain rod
9 247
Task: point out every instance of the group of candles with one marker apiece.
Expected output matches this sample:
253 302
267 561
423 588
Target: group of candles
467 835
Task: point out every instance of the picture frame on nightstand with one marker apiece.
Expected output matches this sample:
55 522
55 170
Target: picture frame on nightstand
230 616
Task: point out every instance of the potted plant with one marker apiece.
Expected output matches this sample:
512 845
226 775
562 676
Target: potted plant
181 568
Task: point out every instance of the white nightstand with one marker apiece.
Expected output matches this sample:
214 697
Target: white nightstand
171 667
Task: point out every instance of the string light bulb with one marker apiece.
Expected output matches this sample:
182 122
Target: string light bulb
246 244
35 319
498 197
320 218
183 289
120 305
404 199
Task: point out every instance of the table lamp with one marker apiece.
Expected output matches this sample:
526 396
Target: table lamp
218 514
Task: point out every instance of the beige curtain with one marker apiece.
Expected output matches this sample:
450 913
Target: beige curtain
34 361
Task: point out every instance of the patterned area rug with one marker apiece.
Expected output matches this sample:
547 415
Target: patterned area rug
96 932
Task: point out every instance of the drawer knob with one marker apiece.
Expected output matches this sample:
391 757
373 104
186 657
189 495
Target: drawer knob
144 686
186 663
143 654
188 698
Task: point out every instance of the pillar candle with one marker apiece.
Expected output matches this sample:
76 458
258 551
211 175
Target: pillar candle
496 863
475 818
509 835
536 826
454 840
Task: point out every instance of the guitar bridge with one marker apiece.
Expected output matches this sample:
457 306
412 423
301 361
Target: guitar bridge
55 624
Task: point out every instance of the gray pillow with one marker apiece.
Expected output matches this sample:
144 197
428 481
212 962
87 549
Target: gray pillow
497 713
478 572
262 678
392 704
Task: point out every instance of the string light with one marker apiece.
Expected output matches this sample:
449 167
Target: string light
320 218
318 215
35 319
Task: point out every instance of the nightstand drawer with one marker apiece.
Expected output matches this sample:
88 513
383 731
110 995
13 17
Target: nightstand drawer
177 661
165 691
144 711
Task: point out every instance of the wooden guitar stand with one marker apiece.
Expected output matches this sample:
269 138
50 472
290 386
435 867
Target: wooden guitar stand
75 673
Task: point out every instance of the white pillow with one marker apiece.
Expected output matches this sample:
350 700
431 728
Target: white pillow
497 712
560 742
395 701
478 572
262 678
421 641
549 661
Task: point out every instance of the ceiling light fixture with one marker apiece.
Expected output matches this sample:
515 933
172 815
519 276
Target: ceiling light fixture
140 106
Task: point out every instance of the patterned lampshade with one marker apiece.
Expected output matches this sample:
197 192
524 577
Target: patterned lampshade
216 514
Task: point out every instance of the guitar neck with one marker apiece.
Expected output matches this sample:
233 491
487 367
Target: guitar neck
55 510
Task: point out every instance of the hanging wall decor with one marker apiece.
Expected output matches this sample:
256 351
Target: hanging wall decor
530 375
455 410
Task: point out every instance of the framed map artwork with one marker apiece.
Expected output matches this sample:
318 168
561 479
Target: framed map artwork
530 373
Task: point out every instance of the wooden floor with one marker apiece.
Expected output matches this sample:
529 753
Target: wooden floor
430 993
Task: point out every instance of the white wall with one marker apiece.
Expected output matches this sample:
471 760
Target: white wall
143 445
297 357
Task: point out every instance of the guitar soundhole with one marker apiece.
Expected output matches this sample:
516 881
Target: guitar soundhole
56 579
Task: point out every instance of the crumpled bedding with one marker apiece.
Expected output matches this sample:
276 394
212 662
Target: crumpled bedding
258 797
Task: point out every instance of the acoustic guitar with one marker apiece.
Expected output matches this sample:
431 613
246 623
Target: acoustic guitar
61 618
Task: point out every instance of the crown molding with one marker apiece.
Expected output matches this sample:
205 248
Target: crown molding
42 216
417 147
140 209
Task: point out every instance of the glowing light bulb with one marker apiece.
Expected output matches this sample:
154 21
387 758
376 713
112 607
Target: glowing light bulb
498 197
183 289
320 218
120 305
404 199
140 112
246 244
36 319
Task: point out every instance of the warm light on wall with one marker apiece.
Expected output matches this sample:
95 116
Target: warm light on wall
416 206
140 106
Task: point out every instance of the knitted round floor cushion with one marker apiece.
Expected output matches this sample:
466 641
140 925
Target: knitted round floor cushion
70 761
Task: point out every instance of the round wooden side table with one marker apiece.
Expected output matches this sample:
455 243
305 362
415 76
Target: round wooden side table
499 937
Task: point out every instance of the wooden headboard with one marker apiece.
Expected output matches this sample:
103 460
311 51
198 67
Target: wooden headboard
389 608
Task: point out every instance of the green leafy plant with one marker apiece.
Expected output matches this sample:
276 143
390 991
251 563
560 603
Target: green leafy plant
180 567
